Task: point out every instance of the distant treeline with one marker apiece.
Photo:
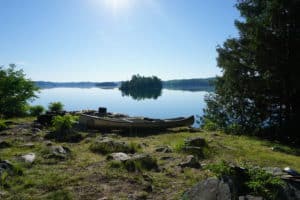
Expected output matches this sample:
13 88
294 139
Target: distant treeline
107 84
199 84
190 84
46 84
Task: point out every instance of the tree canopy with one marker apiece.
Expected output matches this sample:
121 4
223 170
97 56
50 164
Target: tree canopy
258 92
15 91
141 87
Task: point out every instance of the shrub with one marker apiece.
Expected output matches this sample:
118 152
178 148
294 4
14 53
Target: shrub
220 169
56 107
36 110
63 124
263 183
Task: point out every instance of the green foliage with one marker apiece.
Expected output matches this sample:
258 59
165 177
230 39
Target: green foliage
234 128
259 88
36 110
141 87
6 176
55 107
60 195
147 163
178 145
256 180
15 91
209 125
220 169
263 183
115 164
3 125
63 124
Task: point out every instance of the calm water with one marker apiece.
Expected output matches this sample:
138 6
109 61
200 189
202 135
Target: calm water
171 103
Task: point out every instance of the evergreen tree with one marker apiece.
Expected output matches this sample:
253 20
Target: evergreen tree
259 89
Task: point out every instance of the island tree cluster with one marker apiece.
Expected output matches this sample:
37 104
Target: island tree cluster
259 90
141 87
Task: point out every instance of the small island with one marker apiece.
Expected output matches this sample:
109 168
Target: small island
141 87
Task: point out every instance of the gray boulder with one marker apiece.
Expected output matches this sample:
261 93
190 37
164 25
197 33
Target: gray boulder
210 189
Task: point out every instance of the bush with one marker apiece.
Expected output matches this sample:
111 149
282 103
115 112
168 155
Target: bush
220 169
63 124
36 110
15 91
263 183
55 107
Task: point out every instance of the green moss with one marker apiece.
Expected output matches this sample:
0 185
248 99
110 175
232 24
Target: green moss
110 146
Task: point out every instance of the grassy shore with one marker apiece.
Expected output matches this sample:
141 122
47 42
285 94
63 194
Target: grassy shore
88 175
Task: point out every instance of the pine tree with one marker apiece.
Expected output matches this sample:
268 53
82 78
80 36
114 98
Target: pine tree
259 89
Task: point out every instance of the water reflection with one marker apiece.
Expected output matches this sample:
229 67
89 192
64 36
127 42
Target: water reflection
142 94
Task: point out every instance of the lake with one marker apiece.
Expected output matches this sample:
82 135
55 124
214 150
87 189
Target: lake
170 103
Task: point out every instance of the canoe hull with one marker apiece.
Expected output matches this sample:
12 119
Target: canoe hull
95 122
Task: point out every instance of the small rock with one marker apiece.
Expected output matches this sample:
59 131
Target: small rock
196 142
164 149
35 130
190 161
29 158
57 152
4 144
118 156
276 171
28 145
197 151
60 150
48 143
37 125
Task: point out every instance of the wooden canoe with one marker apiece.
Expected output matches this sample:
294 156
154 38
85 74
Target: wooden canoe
96 122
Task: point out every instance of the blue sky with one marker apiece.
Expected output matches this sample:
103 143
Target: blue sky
109 40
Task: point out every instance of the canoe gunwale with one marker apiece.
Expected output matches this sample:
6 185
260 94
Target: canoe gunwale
101 122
